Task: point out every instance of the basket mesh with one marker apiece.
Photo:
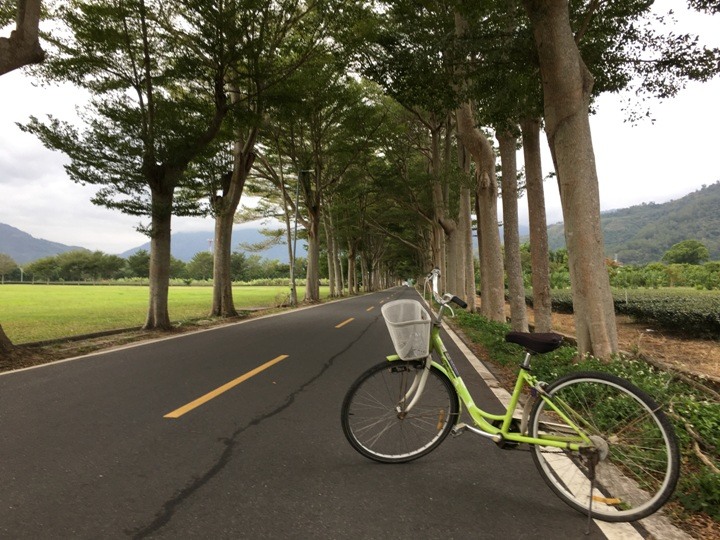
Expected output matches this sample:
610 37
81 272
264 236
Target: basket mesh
409 327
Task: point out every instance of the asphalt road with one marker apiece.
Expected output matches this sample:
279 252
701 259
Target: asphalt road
87 449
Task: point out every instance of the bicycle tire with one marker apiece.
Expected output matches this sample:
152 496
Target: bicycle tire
638 451
375 428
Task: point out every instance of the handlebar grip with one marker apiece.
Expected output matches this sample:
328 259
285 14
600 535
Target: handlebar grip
456 300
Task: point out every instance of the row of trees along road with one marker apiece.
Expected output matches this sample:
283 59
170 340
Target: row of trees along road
77 266
372 123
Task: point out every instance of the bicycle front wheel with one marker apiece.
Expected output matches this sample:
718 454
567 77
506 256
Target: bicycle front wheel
375 418
634 456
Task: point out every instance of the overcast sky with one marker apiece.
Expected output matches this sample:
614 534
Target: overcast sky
643 163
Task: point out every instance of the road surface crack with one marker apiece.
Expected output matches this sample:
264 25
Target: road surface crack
168 510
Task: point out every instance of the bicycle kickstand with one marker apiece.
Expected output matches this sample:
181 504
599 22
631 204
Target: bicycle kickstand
593 460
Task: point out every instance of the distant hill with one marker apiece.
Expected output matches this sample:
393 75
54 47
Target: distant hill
184 245
24 248
636 235
642 234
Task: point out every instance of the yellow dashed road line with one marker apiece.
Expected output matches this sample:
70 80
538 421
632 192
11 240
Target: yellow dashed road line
345 322
177 413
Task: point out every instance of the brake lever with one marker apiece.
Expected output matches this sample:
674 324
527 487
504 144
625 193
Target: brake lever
446 299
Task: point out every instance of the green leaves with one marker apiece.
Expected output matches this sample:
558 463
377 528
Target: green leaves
708 6
688 252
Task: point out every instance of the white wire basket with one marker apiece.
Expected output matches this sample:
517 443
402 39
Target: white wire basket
409 327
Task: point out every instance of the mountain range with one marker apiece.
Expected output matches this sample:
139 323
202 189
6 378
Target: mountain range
184 245
642 234
637 235
24 248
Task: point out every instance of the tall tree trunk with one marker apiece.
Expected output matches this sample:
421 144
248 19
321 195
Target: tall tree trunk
6 346
351 278
23 45
338 264
20 49
334 266
539 253
465 226
454 263
511 234
438 209
224 208
454 239
484 286
438 253
312 285
291 254
364 273
158 316
493 296
223 305
332 277
567 84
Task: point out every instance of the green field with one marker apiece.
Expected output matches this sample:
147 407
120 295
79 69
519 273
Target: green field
30 313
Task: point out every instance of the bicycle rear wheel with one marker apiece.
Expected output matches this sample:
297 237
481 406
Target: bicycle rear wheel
376 422
635 455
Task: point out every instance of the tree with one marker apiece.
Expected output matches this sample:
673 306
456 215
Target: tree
46 269
78 265
178 268
275 39
20 49
105 266
200 266
513 268
276 204
479 146
139 263
317 137
7 265
389 195
687 252
410 55
237 266
156 72
483 153
542 299
23 45
709 6
610 40
567 86
5 344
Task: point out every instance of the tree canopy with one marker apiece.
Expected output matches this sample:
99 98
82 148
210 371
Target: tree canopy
688 252
369 121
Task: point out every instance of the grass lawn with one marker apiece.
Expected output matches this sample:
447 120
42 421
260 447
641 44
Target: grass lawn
31 313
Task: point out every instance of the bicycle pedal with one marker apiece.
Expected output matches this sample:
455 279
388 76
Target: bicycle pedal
459 429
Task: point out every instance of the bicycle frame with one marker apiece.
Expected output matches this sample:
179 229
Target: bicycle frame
483 419
600 443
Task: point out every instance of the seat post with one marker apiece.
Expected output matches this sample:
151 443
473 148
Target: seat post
526 363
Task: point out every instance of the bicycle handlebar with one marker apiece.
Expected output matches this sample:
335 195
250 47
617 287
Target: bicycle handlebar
444 300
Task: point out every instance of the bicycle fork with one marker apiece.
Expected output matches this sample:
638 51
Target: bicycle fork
415 391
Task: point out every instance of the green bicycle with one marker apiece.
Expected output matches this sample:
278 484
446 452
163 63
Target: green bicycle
601 444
